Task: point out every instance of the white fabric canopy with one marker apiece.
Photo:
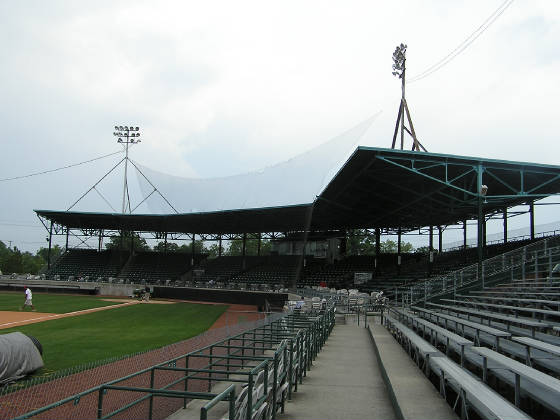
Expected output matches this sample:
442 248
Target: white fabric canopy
296 181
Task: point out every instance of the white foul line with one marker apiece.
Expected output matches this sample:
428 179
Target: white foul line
83 311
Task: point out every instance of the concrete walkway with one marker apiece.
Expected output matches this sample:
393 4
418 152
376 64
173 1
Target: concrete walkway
344 383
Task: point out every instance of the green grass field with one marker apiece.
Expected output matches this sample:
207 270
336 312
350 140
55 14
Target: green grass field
73 341
54 304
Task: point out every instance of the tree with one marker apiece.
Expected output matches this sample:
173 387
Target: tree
236 247
187 248
354 242
31 263
423 250
406 247
138 242
214 250
361 242
388 246
12 262
170 247
43 253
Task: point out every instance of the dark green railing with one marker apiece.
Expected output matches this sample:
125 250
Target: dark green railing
280 352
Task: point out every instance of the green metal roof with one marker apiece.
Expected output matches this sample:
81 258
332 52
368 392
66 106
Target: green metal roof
376 187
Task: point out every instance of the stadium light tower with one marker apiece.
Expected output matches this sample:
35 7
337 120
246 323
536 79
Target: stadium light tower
399 70
126 135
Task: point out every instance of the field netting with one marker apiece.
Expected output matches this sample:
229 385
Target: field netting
269 187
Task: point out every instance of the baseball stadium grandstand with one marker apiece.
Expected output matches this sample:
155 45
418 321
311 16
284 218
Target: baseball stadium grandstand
471 332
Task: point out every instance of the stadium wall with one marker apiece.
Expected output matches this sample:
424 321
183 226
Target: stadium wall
222 296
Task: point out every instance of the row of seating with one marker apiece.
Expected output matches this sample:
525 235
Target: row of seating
160 268
470 342
82 263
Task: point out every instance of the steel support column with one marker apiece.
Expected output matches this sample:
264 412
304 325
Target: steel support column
440 239
244 250
50 243
480 233
465 238
532 219
484 233
399 245
192 249
431 250
505 226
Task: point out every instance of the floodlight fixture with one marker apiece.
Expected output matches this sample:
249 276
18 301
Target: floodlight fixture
126 135
399 60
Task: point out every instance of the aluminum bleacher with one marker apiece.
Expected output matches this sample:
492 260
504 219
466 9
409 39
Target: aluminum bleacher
511 342
471 392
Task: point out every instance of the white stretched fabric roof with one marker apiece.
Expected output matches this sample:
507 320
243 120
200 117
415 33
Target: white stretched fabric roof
296 181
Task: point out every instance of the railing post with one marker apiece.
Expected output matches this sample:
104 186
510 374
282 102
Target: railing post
100 402
186 379
250 397
211 366
454 285
536 265
523 260
232 404
152 381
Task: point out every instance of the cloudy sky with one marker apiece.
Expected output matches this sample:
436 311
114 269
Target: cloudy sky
221 88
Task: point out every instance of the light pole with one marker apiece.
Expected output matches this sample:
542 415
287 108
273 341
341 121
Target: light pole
126 135
399 70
